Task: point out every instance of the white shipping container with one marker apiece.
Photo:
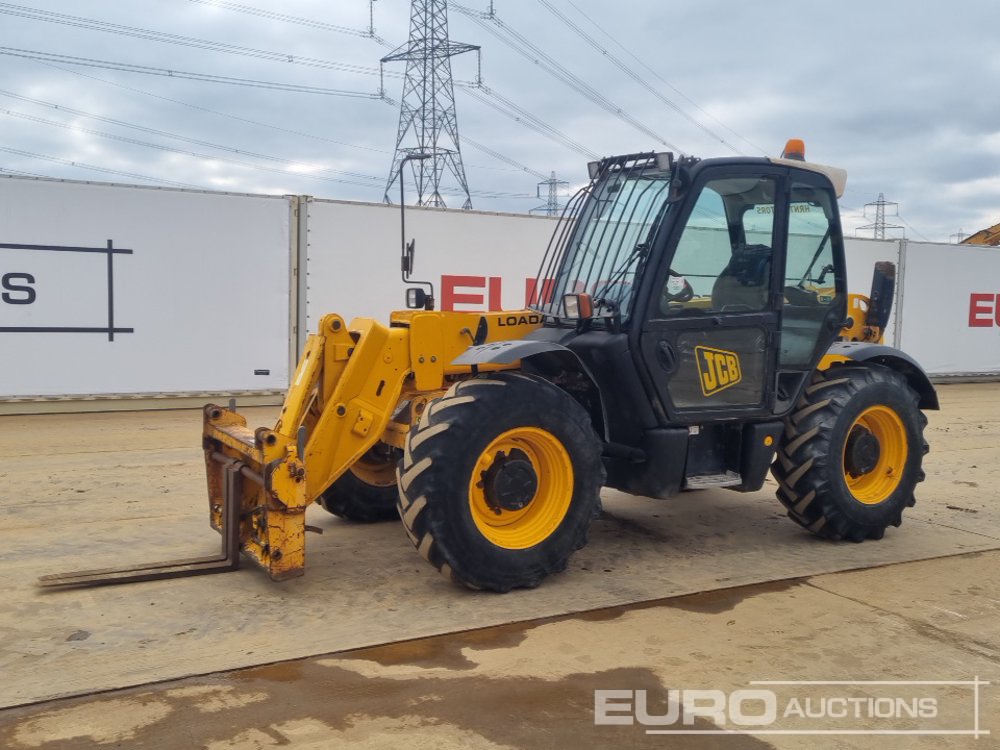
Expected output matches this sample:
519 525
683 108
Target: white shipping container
476 260
950 308
862 255
114 289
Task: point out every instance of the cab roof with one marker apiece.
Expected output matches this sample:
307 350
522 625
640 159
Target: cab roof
836 175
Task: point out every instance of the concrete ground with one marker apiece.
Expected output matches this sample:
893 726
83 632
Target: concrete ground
509 683
531 685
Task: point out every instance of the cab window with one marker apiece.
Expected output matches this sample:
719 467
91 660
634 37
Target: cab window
723 258
810 288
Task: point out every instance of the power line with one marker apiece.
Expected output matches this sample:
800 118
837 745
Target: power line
168 134
20 173
216 112
501 157
311 23
633 75
82 165
160 147
513 163
34 14
663 80
370 33
516 113
520 44
501 103
910 227
168 73
373 181
506 107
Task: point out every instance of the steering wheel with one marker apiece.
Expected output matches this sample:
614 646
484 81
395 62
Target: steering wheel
684 295
796 295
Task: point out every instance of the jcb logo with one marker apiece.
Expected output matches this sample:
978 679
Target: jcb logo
717 368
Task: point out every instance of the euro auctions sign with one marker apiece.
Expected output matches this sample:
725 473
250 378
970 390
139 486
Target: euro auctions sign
811 708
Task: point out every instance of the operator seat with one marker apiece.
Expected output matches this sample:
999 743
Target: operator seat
744 283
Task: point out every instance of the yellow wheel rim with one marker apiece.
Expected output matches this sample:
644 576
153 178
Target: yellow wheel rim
878 484
541 516
375 470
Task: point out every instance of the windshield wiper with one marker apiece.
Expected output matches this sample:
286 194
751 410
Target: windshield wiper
640 252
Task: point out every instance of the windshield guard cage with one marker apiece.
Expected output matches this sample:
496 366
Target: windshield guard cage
604 234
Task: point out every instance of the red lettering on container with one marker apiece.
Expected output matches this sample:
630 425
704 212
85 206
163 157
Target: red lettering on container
496 298
982 309
531 296
450 296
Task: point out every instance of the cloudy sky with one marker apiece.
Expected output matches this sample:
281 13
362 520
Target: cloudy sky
901 94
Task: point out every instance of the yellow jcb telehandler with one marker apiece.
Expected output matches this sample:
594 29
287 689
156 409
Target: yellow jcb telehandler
691 328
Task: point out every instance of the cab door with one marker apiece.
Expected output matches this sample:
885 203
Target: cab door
709 332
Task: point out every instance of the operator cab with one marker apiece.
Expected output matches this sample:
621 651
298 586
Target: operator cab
726 276
700 296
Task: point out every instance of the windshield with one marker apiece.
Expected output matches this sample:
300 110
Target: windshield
603 252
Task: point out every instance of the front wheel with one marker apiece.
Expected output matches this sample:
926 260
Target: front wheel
366 492
500 481
851 453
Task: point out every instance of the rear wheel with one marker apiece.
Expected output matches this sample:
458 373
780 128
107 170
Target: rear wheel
500 480
366 492
851 453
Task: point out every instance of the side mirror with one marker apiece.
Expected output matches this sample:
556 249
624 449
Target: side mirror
416 298
880 299
406 260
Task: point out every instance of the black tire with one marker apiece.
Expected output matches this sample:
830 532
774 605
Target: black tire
820 453
442 510
366 493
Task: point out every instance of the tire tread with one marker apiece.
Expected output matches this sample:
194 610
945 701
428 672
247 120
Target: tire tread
440 437
803 467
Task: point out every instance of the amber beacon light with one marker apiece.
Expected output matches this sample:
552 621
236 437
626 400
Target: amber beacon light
795 148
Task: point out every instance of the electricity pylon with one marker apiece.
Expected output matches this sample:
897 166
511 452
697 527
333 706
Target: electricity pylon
428 123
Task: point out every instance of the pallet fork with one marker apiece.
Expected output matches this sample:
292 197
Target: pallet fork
236 491
228 559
